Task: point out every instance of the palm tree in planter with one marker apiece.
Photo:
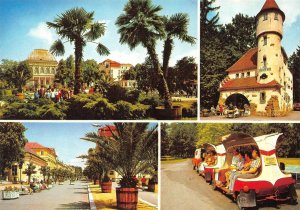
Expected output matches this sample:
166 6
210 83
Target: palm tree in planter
76 26
140 24
29 171
131 149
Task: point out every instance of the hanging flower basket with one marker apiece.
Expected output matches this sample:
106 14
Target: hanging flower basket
127 198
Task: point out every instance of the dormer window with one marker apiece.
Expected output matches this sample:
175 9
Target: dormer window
276 16
265 40
265 16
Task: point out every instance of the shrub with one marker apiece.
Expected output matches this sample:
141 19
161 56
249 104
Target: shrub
153 100
190 112
126 110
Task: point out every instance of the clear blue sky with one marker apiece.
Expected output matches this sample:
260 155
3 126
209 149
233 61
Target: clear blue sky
23 27
64 137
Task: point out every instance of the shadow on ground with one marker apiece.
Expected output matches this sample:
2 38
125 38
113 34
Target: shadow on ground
75 205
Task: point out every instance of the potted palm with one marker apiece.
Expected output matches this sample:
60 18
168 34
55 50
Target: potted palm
130 149
141 24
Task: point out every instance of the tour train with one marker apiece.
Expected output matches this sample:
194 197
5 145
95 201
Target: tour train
271 183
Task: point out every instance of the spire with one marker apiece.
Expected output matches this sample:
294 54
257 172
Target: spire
271 5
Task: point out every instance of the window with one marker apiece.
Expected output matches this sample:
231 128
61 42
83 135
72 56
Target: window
265 16
265 62
265 40
262 97
106 65
42 152
243 75
248 74
14 170
276 16
237 76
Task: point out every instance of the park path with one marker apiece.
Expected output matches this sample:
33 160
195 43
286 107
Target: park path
182 188
59 197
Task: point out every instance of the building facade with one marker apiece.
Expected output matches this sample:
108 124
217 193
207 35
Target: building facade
43 65
261 78
114 69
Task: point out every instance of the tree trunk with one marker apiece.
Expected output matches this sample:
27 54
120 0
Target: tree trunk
168 46
162 86
78 58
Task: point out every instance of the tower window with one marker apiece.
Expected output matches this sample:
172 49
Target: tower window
265 16
265 40
243 75
265 61
248 74
276 16
237 76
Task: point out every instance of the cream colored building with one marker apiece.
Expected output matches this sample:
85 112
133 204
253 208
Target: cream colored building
114 69
261 78
43 65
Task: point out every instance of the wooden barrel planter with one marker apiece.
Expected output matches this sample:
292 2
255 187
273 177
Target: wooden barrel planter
106 187
175 113
127 198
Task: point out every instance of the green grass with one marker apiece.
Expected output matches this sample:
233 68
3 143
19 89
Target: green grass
289 161
177 160
184 104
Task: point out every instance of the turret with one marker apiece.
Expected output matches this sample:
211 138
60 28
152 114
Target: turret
269 31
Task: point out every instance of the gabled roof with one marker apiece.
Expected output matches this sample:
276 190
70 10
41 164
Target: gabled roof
271 5
247 83
112 63
247 62
106 131
30 146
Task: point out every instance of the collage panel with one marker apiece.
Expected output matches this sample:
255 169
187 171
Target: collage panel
230 166
79 166
249 52
99 60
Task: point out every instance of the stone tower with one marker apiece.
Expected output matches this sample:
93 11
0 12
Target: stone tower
269 31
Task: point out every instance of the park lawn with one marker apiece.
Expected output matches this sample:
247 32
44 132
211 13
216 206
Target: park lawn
108 200
185 104
172 161
289 161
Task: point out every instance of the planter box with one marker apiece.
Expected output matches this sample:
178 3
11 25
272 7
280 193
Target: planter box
175 113
8 195
106 187
127 198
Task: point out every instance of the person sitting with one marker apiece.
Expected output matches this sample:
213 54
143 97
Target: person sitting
236 112
237 165
250 170
208 161
213 110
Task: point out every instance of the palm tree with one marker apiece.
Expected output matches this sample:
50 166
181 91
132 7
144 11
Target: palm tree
29 170
45 170
77 27
176 26
131 150
140 24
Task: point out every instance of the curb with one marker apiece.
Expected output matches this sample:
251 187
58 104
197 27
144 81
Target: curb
91 200
148 203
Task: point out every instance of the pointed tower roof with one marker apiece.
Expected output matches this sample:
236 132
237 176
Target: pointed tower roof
271 5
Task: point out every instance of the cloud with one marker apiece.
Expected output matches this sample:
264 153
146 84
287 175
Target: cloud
41 31
229 8
125 57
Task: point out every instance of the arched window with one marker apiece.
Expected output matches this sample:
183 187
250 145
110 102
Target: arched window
276 16
266 16
265 40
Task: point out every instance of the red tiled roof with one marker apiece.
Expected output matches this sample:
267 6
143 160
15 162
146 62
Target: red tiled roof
112 63
247 62
106 131
271 5
247 83
33 145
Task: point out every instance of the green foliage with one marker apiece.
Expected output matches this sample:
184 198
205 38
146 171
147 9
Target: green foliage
294 66
40 109
128 182
165 139
65 71
180 140
12 142
209 16
30 170
126 110
7 68
131 150
190 112
90 71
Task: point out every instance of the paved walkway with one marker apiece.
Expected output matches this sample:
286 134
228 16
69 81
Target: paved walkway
293 116
59 197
